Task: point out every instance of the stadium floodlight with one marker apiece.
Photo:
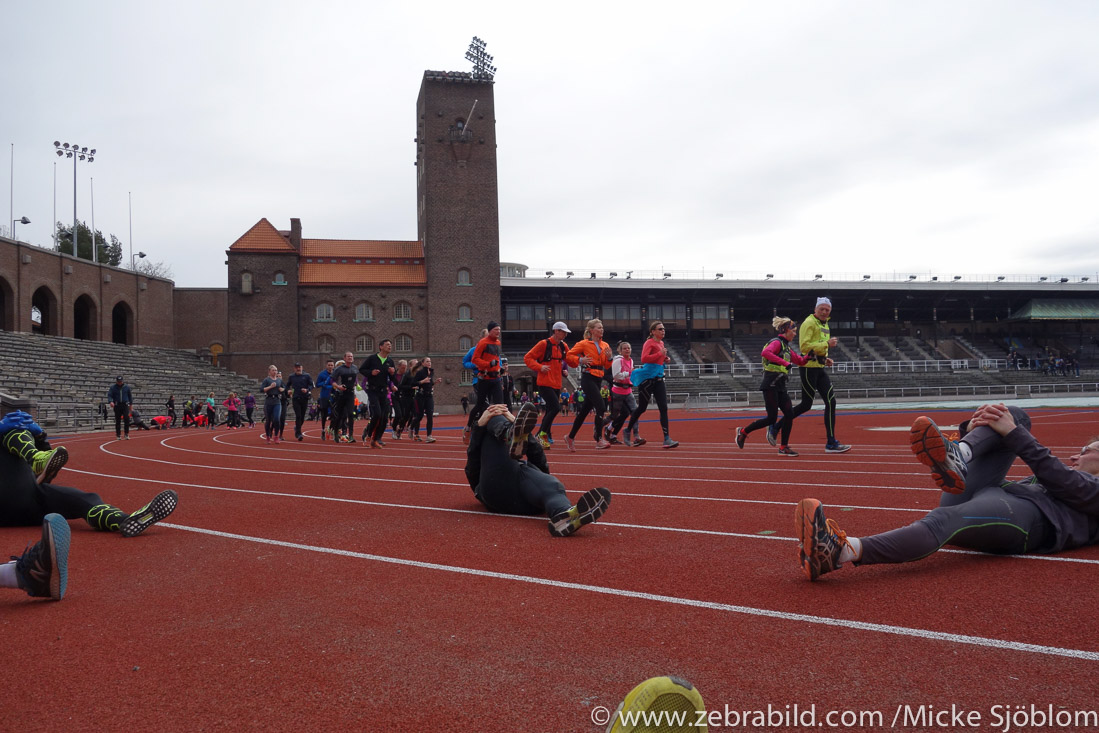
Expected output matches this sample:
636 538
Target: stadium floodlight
719 276
957 278
818 277
77 153
769 277
999 278
614 275
568 274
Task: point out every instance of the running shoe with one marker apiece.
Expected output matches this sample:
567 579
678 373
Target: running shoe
543 440
836 447
571 444
47 464
602 444
638 441
772 435
160 507
521 428
300 437
43 569
379 444
669 443
659 699
589 507
609 436
821 539
428 439
787 451
741 436
942 456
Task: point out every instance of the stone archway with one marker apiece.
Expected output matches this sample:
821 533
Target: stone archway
85 319
7 306
44 312
122 324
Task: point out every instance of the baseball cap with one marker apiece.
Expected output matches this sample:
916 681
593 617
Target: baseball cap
560 326
118 378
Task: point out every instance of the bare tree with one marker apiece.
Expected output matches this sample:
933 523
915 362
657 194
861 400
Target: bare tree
154 269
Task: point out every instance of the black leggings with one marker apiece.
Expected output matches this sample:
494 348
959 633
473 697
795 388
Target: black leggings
425 406
622 406
814 381
379 415
25 503
550 397
509 486
775 399
592 401
121 413
651 389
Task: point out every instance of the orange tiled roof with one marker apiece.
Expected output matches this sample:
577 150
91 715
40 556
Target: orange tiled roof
351 273
262 237
361 248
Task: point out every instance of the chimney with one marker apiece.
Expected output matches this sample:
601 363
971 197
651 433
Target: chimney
295 234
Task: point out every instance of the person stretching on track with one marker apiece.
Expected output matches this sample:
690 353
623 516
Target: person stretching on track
777 358
508 473
1056 509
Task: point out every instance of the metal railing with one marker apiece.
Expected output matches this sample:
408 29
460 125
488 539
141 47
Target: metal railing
737 369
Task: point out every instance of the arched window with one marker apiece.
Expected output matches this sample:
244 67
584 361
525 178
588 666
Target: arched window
364 312
465 343
402 311
402 344
325 344
246 283
465 313
280 278
325 312
364 344
464 277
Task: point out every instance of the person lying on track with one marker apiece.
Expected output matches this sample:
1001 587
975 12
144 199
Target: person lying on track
1056 509
28 467
507 470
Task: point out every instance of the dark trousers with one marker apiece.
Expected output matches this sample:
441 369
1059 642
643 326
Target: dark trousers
815 381
550 397
272 411
121 415
622 406
509 486
379 415
25 503
489 392
248 411
592 401
775 399
984 517
425 407
651 390
301 409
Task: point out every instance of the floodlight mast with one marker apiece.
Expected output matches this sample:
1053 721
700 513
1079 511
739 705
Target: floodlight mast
482 61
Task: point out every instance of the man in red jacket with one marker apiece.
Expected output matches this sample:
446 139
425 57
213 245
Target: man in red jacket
486 357
546 360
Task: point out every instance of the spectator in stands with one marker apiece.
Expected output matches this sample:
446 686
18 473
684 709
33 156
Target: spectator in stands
650 381
120 399
593 355
777 358
1056 509
171 405
814 342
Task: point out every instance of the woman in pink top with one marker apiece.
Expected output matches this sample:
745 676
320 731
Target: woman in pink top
777 358
622 402
651 386
232 411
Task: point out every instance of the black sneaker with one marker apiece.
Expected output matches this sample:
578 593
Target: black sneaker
160 507
941 455
43 570
520 430
821 539
741 436
589 507
836 447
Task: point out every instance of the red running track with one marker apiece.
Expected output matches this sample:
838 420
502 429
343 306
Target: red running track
311 586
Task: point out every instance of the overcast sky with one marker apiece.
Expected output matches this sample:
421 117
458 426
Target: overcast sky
873 136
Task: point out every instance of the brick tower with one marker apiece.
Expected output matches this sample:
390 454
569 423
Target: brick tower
457 214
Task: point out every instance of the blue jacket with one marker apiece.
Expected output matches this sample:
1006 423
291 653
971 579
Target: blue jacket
468 363
120 395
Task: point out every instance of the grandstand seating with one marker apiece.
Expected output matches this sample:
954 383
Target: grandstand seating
68 378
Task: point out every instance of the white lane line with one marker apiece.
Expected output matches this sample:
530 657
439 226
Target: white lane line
710 605
623 525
